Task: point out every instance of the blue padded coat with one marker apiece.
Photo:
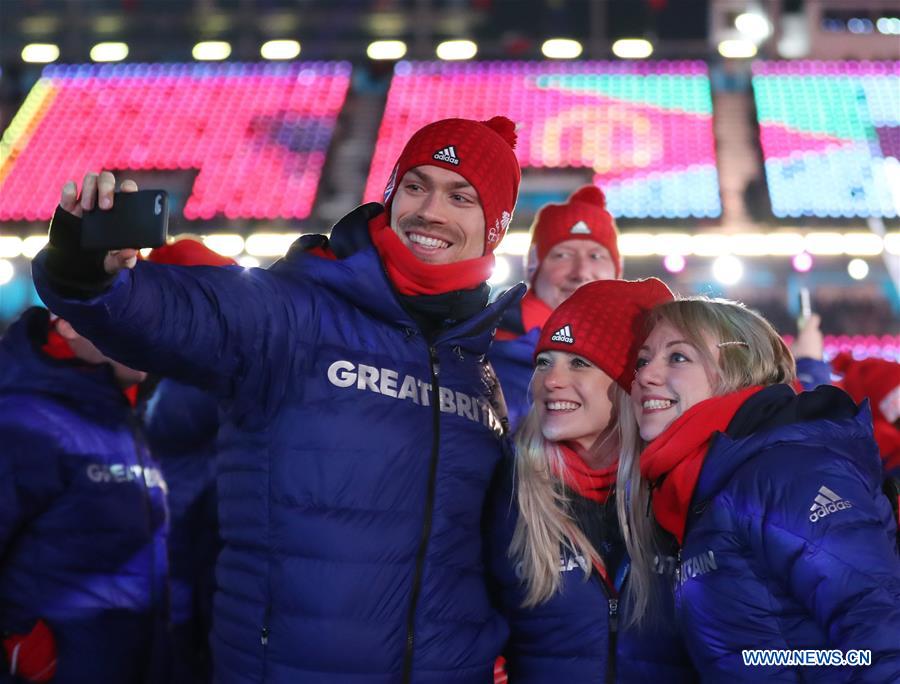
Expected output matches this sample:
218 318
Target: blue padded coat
790 543
578 635
358 459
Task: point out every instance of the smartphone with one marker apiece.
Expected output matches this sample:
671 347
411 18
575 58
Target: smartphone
137 219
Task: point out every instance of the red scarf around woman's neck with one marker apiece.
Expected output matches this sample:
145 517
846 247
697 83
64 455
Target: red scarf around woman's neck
410 276
679 452
590 483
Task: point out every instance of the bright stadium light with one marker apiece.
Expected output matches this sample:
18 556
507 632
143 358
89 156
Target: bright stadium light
10 246
501 271
516 244
226 244
40 53
386 49
737 48
6 271
858 269
728 269
109 52
561 48
632 48
211 51
863 244
33 244
248 262
753 25
636 244
269 244
455 50
280 49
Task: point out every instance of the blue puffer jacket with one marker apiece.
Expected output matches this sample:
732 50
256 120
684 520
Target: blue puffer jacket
82 513
513 361
182 423
790 543
357 463
578 635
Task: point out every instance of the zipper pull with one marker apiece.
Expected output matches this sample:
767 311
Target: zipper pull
613 615
435 362
264 636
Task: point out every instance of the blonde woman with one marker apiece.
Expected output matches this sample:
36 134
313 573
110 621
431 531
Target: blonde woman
785 539
558 555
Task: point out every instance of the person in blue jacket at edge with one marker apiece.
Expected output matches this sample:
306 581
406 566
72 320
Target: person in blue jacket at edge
558 556
83 573
572 244
361 429
786 541
182 424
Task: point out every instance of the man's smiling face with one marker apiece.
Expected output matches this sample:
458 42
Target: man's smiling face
438 215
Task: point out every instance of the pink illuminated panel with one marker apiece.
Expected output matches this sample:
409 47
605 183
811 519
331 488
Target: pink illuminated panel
643 130
256 134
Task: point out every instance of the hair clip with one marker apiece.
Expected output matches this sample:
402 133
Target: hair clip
733 343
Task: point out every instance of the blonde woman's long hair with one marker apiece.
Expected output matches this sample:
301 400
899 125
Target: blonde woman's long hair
545 526
762 358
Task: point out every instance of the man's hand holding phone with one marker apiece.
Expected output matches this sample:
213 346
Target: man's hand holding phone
135 223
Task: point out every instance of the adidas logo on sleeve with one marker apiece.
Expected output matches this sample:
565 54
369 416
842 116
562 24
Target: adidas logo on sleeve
825 503
564 335
447 155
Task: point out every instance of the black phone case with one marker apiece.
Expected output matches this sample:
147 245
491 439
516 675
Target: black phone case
137 219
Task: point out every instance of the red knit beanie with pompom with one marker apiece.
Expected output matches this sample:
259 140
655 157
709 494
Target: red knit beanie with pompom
479 151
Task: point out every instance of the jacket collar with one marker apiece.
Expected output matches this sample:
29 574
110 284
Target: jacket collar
357 276
825 415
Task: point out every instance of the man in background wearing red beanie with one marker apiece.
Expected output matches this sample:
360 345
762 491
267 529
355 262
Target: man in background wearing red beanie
360 437
571 244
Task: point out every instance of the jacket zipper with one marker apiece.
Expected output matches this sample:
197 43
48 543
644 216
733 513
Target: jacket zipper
429 512
137 436
612 639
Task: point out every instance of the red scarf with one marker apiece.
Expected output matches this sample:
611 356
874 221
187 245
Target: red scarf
410 276
56 347
590 483
679 452
534 314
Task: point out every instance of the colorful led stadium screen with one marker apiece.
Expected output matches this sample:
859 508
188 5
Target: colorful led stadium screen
830 137
642 130
256 134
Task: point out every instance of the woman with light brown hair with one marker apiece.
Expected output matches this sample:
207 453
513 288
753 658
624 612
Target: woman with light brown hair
785 539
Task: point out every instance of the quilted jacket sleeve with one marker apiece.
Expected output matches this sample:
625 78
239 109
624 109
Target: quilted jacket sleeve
827 530
214 327
30 476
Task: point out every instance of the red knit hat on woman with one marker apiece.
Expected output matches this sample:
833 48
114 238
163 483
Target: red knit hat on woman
582 217
479 151
603 322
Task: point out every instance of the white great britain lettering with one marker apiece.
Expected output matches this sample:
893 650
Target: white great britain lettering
387 381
